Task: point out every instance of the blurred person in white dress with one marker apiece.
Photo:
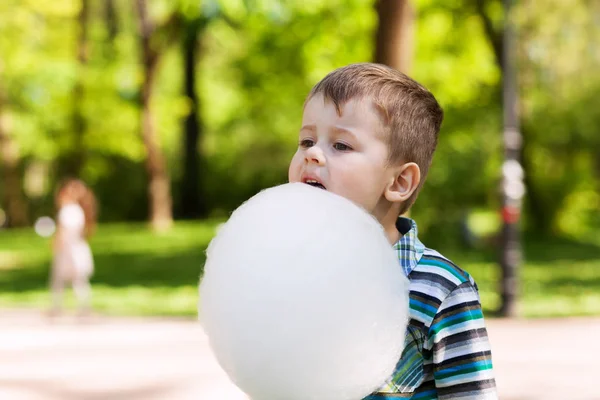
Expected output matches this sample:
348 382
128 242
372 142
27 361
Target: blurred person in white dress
72 262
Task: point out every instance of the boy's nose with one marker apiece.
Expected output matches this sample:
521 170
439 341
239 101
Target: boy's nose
315 155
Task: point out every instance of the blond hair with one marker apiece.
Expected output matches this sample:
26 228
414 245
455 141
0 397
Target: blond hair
410 114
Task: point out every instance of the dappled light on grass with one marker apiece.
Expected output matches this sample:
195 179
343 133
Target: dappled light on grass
558 278
147 301
142 273
562 304
9 260
137 272
125 301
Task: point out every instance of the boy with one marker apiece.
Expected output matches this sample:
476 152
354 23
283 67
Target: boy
369 133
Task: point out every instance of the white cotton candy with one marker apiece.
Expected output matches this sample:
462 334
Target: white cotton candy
303 297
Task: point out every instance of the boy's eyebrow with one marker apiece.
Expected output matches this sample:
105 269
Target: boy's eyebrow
341 130
335 129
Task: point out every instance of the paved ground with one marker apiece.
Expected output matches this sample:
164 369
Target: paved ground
128 359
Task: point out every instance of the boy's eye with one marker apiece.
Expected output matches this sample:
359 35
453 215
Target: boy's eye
341 146
306 143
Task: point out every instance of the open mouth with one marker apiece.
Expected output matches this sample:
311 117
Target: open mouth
314 183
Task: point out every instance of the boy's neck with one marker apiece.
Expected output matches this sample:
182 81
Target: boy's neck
388 221
392 234
387 214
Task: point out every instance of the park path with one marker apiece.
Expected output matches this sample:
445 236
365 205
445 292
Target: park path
152 359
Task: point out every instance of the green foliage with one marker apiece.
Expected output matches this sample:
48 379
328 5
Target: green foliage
259 59
259 87
37 69
454 60
561 111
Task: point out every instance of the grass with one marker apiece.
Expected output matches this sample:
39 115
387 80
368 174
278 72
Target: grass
558 278
142 273
137 272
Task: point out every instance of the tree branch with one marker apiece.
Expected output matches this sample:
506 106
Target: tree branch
229 21
170 31
494 37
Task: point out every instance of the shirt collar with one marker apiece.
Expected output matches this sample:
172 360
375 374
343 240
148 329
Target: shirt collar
409 248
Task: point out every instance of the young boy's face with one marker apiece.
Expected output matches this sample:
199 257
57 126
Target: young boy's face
344 154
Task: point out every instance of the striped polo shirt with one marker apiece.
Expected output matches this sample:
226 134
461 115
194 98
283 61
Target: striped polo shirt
447 352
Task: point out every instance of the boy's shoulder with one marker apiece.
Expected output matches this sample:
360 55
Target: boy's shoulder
427 269
433 265
434 281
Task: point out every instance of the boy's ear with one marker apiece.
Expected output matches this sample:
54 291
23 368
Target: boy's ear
403 183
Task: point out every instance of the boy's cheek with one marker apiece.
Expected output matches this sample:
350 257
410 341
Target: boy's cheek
291 173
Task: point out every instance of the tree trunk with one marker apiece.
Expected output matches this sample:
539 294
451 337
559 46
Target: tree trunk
494 37
192 201
503 45
16 207
511 253
77 156
111 22
159 187
395 34
541 222
110 16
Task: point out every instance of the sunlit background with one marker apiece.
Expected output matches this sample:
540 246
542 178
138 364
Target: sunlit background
220 85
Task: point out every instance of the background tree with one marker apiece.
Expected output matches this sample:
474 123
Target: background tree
159 186
512 187
250 84
196 21
75 159
110 17
12 199
394 37
193 204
